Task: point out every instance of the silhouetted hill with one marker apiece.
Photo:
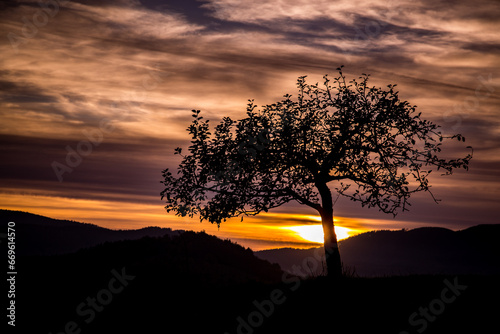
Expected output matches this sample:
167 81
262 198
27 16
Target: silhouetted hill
420 251
190 282
196 283
39 235
186 280
204 257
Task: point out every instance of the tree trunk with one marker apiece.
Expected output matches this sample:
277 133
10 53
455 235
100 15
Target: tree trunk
332 254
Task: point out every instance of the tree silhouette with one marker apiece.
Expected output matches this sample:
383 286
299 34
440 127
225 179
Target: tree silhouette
360 141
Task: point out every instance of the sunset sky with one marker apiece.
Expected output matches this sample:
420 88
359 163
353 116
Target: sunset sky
116 81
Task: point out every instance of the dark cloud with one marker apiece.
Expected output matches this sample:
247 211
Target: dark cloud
192 10
486 11
488 48
23 93
131 171
98 3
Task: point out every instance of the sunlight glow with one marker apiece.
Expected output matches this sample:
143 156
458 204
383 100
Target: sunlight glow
314 232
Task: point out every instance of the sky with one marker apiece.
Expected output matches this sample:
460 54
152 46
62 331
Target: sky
96 95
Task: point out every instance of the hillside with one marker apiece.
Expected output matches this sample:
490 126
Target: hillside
39 235
133 286
196 283
420 251
191 282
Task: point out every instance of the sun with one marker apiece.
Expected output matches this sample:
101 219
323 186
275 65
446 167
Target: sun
314 233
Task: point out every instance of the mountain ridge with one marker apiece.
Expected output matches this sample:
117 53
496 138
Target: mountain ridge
41 235
425 250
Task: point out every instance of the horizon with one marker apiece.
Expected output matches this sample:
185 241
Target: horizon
297 241
95 97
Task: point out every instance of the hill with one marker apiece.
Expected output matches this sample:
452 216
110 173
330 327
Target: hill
377 253
420 251
39 235
134 286
196 283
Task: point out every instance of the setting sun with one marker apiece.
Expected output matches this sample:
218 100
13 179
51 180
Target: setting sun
314 233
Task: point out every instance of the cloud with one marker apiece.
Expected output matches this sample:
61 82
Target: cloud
404 28
143 65
262 11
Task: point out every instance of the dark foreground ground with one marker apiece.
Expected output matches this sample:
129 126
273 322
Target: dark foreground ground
76 278
195 283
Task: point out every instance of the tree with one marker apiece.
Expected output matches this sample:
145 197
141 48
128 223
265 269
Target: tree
360 141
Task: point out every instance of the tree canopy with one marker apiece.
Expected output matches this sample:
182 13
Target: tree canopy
371 146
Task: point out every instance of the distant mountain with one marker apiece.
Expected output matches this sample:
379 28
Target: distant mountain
380 253
39 235
429 250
